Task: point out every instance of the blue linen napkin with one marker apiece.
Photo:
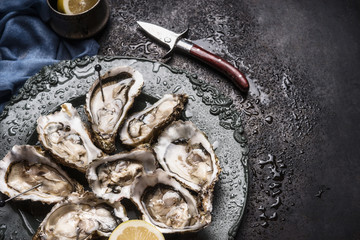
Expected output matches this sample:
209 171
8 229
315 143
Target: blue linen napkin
27 43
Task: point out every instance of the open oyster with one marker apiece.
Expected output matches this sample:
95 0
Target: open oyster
142 126
66 137
25 167
120 86
111 177
185 152
167 205
81 216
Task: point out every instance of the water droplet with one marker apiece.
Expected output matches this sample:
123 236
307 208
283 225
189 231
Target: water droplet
269 119
274 185
177 88
263 216
156 67
273 216
188 113
265 224
26 222
277 203
3 228
321 191
277 175
12 130
277 192
191 97
27 106
270 160
216 145
58 92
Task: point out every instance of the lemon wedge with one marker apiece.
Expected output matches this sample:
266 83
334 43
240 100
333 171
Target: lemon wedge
72 7
136 230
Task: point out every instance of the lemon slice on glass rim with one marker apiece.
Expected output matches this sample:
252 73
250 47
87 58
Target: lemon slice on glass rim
136 230
72 7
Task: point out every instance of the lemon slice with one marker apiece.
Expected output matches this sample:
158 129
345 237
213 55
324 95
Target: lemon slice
75 6
136 230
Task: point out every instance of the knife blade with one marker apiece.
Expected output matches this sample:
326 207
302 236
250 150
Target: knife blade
177 41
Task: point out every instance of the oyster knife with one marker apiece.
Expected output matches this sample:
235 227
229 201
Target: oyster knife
177 41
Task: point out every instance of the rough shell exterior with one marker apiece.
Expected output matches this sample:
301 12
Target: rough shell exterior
73 202
186 132
64 150
160 177
143 155
163 112
34 156
120 76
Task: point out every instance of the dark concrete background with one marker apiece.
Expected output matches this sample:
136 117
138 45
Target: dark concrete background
302 113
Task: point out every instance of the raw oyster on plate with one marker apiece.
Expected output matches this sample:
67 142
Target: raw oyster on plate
111 177
26 166
141 127
120 87
186 153
66 137
166 204
81 216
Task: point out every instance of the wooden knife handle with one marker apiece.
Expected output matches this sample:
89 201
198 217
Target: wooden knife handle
237 77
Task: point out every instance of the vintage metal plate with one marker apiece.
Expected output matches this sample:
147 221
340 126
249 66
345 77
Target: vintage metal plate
208 108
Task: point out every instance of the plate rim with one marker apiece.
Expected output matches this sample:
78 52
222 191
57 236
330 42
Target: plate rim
225 104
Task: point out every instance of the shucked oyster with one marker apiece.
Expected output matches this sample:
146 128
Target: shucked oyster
67 138
25 167
142 126
120 86
167 205
81 216
186 153
111 177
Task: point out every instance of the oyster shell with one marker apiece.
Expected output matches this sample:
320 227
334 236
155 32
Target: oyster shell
111 177
120 86
142 126
185 152
66 137
166 204
26 166
81 216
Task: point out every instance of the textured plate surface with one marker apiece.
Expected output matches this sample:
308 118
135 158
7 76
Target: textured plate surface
208 108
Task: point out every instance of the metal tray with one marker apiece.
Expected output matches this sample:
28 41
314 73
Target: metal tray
208 108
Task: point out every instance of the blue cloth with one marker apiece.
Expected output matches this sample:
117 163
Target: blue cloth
27 43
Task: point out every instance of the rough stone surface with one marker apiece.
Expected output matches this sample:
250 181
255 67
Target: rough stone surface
301 114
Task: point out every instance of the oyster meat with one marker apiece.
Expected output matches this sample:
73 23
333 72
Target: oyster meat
120 86
25 167
141 127
111 177
66 137
186 153
166 204
81 216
